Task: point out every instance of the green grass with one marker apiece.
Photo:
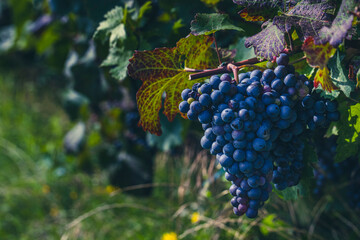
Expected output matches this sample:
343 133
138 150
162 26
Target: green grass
44 195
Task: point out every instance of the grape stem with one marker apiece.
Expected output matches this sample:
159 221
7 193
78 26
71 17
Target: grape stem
230 67
217 49
297 60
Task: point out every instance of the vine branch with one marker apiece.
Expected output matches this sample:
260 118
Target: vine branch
230 67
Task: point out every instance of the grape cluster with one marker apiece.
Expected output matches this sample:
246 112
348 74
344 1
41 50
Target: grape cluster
346 174
253 128
317 112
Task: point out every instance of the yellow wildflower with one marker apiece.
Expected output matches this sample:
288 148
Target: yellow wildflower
169 236
109 189
195 217
211 2
45 189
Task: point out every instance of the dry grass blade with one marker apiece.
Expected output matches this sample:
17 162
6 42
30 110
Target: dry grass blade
348 223
99 209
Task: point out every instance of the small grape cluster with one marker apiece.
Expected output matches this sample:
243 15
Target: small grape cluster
253 128
330 173
316 111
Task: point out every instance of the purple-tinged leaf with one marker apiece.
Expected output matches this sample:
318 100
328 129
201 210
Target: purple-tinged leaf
259 3
308 17
268 43
260 10
340 26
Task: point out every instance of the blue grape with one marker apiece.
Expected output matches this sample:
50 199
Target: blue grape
205 117
238 135
209 134
185 94
280 71
225 161
259 144
227 115
283 59
319 107
225 87
225 77
195 107
205 100
239 155
290 80
244 114
215 81
205 143
285 112
228 149
331 106
184 107
216 97
277 85
237 124
256 73
273 110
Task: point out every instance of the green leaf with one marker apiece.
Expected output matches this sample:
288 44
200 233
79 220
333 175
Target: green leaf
242 52
271 224
118 59
162 71
302 67
143 9
338 76
291 193
348 142
207 23
112 26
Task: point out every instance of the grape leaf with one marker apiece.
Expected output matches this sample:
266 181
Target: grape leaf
118 59
318 56
340 26
322 77
348 142
209 23
307 16
112 25
261 10
118 29
339 77
263 5
162 71
268 43
292 193
254 15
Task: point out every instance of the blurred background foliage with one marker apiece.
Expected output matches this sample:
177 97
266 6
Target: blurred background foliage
74 163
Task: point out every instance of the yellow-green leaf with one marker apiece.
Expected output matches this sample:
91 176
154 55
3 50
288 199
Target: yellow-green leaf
322 77
162 71
318 56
